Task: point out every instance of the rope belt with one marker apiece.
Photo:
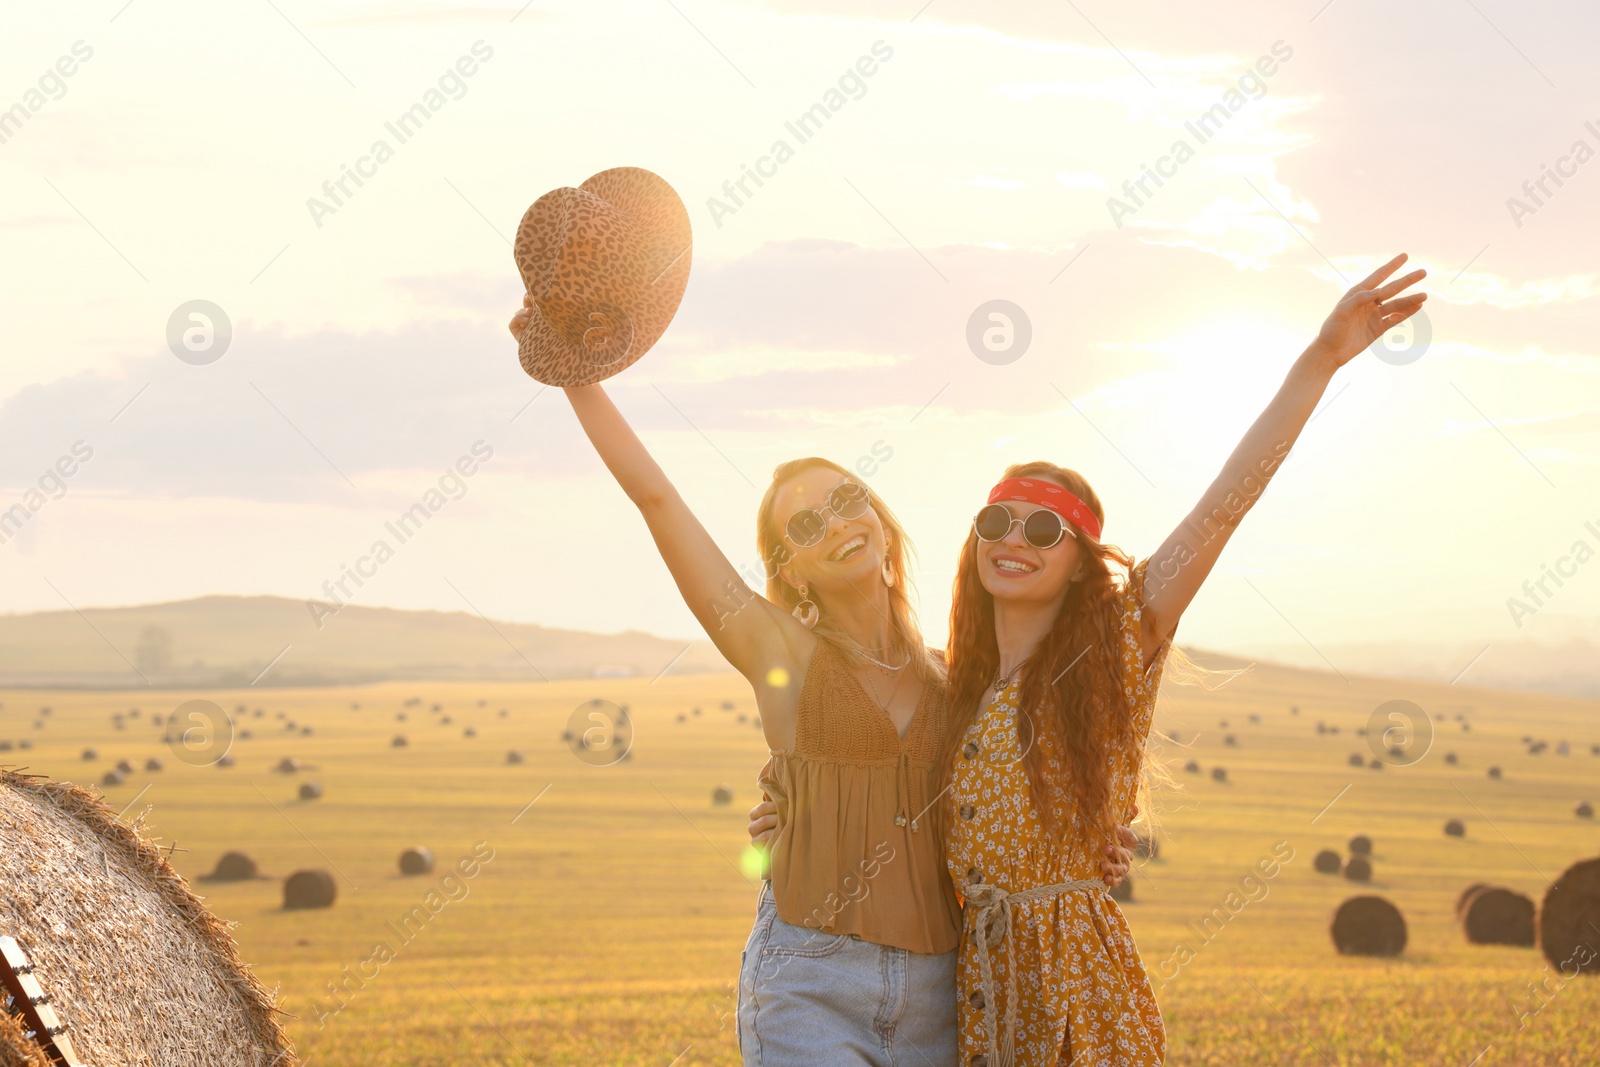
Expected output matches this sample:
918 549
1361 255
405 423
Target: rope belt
990 907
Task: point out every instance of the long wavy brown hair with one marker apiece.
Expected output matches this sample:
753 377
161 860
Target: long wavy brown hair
905 640
1074 716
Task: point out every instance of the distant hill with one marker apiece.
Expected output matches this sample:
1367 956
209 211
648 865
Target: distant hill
230 641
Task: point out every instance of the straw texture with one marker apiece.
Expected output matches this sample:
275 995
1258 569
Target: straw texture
141 973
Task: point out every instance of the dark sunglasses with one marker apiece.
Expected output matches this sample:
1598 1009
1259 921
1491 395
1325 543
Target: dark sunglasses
807 527
1041 529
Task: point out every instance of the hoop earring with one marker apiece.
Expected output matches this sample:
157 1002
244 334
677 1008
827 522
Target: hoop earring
806 611
888 573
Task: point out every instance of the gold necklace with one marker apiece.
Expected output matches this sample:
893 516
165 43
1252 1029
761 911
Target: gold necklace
1002 682
884 706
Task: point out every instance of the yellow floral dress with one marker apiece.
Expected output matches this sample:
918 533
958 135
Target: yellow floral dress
1082 997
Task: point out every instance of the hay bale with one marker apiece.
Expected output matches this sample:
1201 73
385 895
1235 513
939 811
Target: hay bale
113 777
153 764
1148 846
1584 810
1450 758
1495 915
90 754
1192 767
1231 741
1455 828
1569 916
310 790
1375 764
1327 862
311 888
503 713
1223 723
1357 760
682 717
233 867
1322 727
513 756
124 766
1219 774
225 760
471 731
5 746
399 741
1358 869
1494 772
25 743
110 926
287 765
416 860
1361 845
1368 926
305 731
1122 892
722 794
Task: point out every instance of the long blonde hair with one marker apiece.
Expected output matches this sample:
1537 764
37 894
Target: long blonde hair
905 636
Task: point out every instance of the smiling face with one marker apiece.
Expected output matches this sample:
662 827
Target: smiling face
851 552
1014 571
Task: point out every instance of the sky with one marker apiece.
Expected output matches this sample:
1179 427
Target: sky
827 313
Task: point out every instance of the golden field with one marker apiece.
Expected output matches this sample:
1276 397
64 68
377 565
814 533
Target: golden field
606 928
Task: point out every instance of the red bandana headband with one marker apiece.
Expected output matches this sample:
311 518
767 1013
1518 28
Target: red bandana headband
1048 495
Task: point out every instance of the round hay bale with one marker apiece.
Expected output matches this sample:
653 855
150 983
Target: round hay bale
1375 764
1584 810
1358 869
305 731
1122 892
722 794
225 760
757 722
513 756
233 867
1450 758
1494 772
1361 845
287 765
503 713
1192 767
108 924
311 888
1568 917
1222 723
1149 846
416 860
1368 926
1357 760
5 746
682 717
1219 774
310 790
1322 727
1495 915
124 766
399 741
1231 741
1455 828
470 731
25 743
113 777
153 764
90 754
1327 862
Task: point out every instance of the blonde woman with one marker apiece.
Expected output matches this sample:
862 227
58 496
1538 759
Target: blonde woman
1053 673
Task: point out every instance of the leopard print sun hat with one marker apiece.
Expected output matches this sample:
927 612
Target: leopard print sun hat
606 264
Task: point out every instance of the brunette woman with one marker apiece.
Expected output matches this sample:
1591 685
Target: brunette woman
1053 672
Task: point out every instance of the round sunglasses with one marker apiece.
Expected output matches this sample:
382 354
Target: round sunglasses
1041 529
807 527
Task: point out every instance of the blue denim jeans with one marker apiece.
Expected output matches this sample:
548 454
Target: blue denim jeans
812 999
